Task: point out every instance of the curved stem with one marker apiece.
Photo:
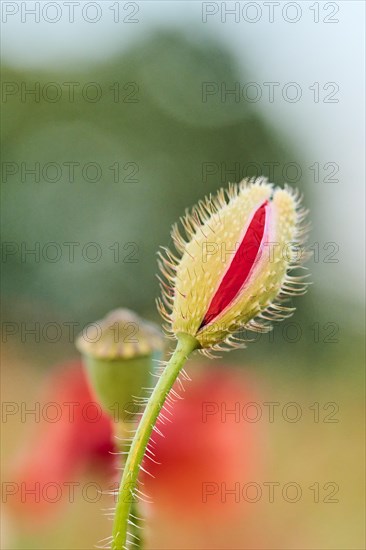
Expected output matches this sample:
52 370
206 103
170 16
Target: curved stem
186 344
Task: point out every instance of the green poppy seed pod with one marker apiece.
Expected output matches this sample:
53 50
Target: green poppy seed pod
119 352
235 262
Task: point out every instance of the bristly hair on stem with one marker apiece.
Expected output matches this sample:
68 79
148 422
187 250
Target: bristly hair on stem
129 490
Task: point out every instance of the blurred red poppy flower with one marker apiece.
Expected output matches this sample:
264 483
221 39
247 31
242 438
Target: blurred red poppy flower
72 435
212 445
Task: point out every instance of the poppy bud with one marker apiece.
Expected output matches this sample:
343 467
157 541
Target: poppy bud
234 266
118 353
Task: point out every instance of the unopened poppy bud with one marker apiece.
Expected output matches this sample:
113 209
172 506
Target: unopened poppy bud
233 271
119 352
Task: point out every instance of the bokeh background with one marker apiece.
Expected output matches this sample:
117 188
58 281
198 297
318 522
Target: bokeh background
147 146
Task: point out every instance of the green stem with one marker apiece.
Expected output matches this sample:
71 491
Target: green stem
122 433
186 344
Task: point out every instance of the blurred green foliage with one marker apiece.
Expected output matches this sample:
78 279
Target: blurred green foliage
168 133
152 122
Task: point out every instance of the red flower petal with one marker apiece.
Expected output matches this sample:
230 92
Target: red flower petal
240 267
57 452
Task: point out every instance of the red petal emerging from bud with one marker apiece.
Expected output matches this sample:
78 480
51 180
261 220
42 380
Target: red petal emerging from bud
235 264
240 267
